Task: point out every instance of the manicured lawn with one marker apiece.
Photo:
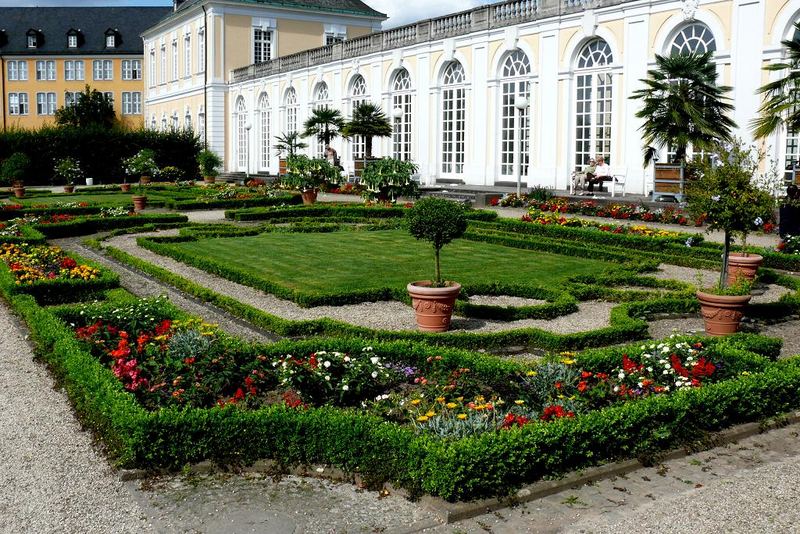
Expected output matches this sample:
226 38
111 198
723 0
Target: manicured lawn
342 261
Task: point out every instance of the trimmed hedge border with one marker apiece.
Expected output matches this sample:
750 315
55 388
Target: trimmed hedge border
337 211
490 464
29 235
93 225
189 205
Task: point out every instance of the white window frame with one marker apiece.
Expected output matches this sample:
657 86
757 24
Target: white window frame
72 41
45 103
32 41
263 44
240 122
102 69
45 70
594 75
187 55
292 107
201 51
153 67
13 71
358 95
71 98
174 60
515 82
264 127
163 73
402 127
74 70
453 125
111 41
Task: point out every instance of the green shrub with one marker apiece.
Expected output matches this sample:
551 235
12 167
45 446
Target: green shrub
437 221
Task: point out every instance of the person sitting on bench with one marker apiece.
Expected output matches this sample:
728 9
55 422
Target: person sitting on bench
579 177
602 173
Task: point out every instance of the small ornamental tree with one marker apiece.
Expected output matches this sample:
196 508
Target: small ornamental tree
386 179
439 221
13 169
209 163
306 174
724 192
289 144
69 170
92 108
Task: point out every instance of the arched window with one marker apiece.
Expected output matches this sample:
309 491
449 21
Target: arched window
593 102
453 103
290 102
201 124
241 133
791 155
514 84
263 129
187 120
175 125
694 38
401 115
153 124
321 98
163 122
358 95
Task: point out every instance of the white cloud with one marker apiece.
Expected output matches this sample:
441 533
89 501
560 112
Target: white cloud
406 11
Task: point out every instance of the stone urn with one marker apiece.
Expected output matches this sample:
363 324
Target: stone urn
19 191
209 179
743 266
433 305
125 187
309 196
144 179
722 314
69 188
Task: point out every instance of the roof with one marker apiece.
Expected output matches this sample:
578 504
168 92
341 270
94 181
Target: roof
53 23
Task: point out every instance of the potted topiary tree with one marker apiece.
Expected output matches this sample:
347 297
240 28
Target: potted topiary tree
309 175
724 192
69 170
209 163
143 165
438 221
13 172
387 179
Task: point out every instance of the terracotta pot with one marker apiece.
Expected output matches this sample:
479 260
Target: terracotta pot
309 197
209 179
125 187
433 305
144 179
741 266
69 188
19 192
281 167
139 202
722 313
17 183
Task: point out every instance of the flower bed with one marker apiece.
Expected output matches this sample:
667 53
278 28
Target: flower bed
50 275
790 244
504 445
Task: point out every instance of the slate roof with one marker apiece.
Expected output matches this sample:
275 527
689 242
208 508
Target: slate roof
55 22
343 7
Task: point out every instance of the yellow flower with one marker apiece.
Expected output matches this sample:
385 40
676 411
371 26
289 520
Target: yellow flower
531 373
462 416
519 402
439 399
567 361
459 399
451 405
430 413
415 402
562 397
422 418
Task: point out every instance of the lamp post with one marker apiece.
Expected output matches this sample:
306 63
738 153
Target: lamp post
520 104
248 126
397 115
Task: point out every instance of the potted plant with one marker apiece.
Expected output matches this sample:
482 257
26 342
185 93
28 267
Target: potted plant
309 175
209 163
142 164
288 144
125 186
69 169
369 121
438 221
724 192
13 172
170 174
325 124
140 197
387 179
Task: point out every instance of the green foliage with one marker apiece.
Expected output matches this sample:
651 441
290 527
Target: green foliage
209 163
14 168
177 148
324 123
143 163
92 108
387 179
306 174
170 174
682 105
69 170
288 144
779 106
369 121
92 225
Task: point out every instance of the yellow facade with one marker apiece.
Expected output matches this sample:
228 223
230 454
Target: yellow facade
60 85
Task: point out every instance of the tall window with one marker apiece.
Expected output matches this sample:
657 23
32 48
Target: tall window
264 118
241 133
187 55
201 124
262 45
103 69
358 95
187 120
46 70
45 103
174 60
693 38
71 98
131 69
132 103
401 127
163 123
163 78
17 70
593 102
152 68
290 102
453 118
74 70
321 98
201 51
515 72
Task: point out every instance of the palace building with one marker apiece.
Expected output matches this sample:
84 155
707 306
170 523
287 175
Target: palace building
48 55
535 86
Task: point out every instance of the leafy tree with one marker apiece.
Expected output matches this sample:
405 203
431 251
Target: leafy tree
370 121
682 105
438 221
288 143
325 124
780 96
14 168
91 108
386 179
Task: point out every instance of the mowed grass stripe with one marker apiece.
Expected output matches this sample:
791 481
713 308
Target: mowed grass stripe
332 262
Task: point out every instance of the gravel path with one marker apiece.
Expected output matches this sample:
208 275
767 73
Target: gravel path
53 479
386 315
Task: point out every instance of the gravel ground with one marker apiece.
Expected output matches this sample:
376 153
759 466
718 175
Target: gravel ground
504 300
388 315
53 479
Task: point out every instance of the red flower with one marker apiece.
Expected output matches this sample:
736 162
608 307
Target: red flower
703 368
582 386
163 327
555 412
189 361
629 366
68 263
678 366
586 374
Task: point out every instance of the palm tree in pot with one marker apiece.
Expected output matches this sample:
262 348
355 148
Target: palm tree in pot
439 222
325 124
369 121
287 145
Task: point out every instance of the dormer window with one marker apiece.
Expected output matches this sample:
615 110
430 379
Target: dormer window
3 38
112 38
34 38
74 38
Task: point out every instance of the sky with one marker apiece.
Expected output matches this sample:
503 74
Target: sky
399 11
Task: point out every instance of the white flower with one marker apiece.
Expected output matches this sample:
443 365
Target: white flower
616 388
759 221
650 369
347 358
689 242
715 198
328 378
374 360
374 374
665 372
621 375
345 387
326 363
